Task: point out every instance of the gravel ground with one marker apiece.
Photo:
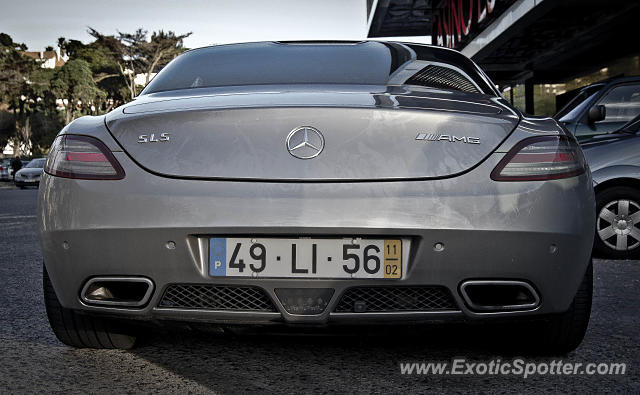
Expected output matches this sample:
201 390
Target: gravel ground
206 361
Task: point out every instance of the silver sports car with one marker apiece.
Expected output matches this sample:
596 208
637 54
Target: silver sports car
316 183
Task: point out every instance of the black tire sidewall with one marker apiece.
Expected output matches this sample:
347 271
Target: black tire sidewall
603 198
83 331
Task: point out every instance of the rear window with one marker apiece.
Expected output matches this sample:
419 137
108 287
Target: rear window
361 63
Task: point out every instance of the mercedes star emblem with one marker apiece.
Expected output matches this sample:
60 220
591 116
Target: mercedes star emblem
305 142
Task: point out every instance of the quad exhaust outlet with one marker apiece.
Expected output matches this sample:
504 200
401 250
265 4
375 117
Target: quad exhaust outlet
499 295
117 291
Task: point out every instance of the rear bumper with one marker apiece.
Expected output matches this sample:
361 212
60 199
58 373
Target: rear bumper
537 232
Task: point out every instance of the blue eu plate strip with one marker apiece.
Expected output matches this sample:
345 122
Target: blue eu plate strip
218 257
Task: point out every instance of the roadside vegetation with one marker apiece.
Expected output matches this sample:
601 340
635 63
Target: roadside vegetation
36 102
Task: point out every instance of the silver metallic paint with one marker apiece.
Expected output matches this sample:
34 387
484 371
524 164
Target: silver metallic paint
614 157
490 230
372 141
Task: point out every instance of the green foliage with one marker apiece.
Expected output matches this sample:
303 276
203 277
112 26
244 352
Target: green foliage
71 47
75 73
45 126
40 81
5 40
15 69
137 54
7 127
74 83
104 66
98 76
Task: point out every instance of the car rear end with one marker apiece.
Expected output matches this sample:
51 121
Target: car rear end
301 203
4 170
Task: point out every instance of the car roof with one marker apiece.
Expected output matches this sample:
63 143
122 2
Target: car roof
616 80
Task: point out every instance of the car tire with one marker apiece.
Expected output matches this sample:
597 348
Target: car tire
608 247
83 331
564 332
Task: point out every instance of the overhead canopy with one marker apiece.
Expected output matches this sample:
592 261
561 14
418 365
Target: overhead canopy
516 40
392 18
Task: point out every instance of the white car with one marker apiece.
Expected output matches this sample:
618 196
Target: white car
29 176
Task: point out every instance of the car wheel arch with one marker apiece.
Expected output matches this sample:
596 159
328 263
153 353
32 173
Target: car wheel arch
617 182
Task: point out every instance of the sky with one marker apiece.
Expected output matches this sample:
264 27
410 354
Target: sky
38 24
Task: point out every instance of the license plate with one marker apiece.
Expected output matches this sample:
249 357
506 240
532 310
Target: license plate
307 258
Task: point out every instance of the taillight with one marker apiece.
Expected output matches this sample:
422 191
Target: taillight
82 157
541 158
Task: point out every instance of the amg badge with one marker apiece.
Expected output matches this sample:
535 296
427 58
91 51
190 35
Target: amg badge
447 137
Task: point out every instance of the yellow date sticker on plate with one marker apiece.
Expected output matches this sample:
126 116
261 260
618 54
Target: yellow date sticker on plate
392 259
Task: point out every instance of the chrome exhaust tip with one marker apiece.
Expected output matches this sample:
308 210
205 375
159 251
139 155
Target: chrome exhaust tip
499 295
117 291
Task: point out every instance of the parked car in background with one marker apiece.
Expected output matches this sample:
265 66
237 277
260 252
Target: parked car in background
29 175
4 169
602 108
10 168
614 160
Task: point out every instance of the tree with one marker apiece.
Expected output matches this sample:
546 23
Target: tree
131 57
160 50
74 84
45 120
99 76
7 41
138 55
102 55
70 47
7 127
14 70
45 126
15 89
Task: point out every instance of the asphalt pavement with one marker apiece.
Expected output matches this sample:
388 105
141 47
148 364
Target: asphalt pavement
204 360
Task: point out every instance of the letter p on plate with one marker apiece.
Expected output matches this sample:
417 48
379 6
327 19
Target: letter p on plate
217 257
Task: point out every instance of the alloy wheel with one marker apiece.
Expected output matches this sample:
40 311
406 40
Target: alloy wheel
619 225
